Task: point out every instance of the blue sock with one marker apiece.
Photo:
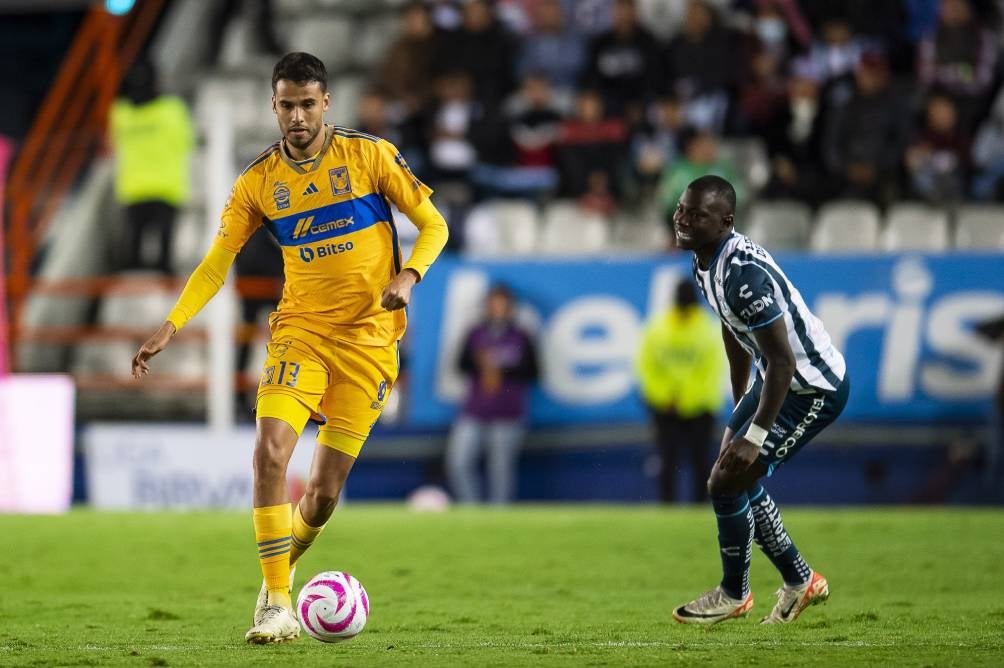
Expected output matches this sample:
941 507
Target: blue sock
735 537
774 540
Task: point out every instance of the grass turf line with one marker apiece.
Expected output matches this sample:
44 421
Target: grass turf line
584 586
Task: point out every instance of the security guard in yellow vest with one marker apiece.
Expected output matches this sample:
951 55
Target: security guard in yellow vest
681 369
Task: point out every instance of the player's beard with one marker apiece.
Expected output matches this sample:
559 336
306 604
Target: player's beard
303 143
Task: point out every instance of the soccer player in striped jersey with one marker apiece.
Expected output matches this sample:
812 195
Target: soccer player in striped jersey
800 386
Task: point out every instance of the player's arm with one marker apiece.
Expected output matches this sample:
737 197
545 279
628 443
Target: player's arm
740 362
411 196
240 219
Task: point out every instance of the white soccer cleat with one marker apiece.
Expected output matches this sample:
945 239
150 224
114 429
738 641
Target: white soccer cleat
277 625
791 601
263 598
712 607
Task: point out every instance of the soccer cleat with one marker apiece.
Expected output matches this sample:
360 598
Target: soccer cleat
277 625
791 601
713 607
263 598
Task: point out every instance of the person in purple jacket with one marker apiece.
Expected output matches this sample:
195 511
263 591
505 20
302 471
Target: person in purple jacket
500 360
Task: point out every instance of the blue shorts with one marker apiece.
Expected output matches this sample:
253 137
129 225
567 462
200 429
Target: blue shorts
802 416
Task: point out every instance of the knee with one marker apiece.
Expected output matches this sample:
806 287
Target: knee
269 458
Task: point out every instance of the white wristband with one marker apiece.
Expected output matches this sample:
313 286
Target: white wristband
755 435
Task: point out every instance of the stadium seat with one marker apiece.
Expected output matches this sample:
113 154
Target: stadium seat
913 226
641 230
780 224
846 226
979 227
345 91
328 37
189 243
749 158
372 39
501 227
568 229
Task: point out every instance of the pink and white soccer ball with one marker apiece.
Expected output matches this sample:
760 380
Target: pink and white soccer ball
333 606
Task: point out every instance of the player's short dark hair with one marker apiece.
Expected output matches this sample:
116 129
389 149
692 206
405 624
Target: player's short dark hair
300 68
686 293
718 187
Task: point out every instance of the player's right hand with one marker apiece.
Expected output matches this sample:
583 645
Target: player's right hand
153 345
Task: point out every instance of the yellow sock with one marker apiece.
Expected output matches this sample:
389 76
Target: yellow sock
303 536
272 531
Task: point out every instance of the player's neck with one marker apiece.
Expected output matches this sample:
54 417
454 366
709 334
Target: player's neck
706 254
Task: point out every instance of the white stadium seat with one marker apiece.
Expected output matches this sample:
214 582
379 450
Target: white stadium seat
780 224
501 227
568 229
749 158
846 226
329 38
979 227
912 226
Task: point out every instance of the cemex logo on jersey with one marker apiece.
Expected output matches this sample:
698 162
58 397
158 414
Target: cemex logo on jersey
303 226
308 253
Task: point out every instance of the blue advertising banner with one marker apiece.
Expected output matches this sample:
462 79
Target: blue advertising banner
903 322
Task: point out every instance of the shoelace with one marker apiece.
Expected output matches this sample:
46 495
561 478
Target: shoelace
709 600
270 612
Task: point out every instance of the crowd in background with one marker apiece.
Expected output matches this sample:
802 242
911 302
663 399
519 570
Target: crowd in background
615 102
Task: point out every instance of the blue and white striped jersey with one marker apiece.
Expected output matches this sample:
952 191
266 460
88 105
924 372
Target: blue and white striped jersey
748 290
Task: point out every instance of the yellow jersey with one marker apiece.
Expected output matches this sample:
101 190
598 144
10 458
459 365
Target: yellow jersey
331 217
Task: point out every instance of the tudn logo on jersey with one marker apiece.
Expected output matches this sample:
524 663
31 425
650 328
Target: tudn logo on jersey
303 227
308 253
281 195
340 183
758 305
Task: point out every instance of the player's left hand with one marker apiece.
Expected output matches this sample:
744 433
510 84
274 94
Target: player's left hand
398 293
738 456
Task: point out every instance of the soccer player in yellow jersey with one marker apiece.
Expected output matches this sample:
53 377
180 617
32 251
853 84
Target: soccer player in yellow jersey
323 192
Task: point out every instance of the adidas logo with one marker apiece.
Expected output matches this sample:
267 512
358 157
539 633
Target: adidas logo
311 189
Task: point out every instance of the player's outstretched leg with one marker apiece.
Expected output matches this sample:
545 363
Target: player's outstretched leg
802 586
732 598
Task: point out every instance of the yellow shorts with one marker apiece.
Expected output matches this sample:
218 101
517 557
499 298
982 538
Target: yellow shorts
340 385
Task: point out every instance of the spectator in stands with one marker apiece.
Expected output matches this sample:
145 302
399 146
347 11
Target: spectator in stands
553 51
960 57
483 49
654 142
865 137
988 155
763 96
591 143
500 360
533 127
681 369
795 146
699 66
152 138
700 149
406 71
622 62
835 55
938 157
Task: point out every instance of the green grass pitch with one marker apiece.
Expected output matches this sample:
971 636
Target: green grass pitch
571 586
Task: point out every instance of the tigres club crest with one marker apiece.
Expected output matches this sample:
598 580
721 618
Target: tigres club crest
281 195
340 183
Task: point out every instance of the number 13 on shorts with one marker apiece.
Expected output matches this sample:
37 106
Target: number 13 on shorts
288 371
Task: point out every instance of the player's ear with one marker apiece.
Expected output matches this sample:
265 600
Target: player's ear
274 110
729 219
326 101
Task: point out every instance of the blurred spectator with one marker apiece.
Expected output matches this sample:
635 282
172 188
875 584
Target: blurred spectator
260 18
960 58
481 48
988 155
152 138
700 157
654 141
834 56
406 71
552 50
699 66
763 96
622 63
591 143
373 117
500 359
680 368
938 157
865 137
794 146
